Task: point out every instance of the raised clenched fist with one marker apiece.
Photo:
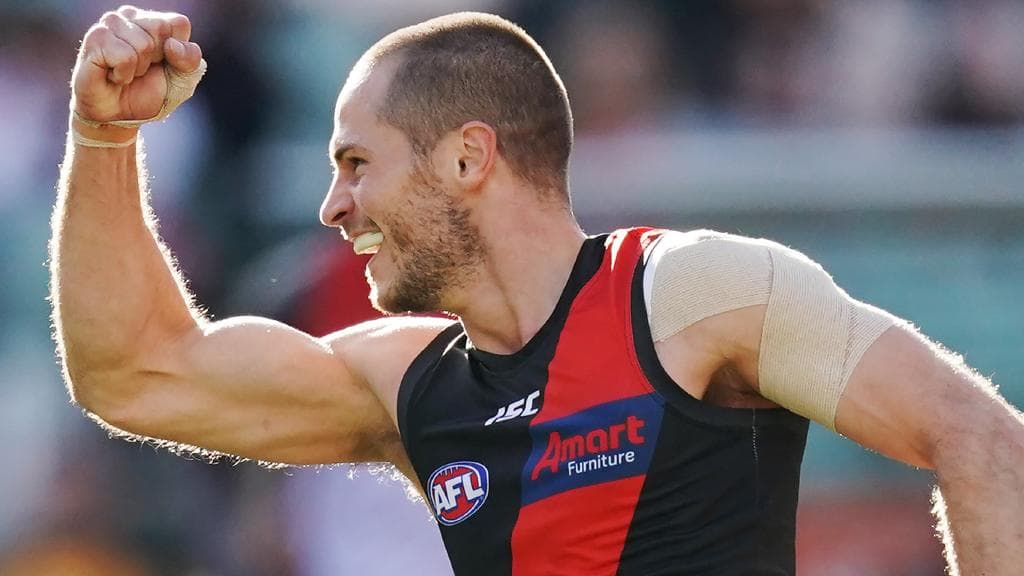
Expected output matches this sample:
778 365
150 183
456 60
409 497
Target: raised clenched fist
129 61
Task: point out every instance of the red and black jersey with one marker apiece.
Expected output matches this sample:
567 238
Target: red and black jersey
579 455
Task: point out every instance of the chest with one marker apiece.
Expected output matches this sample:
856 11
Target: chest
511 462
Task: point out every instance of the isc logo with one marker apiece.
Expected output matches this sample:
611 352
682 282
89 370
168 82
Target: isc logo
457 491
522 407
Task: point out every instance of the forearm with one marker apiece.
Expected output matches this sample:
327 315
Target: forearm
981 504
114 290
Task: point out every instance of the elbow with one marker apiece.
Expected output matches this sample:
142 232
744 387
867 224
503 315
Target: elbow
111 388
107 395
978 444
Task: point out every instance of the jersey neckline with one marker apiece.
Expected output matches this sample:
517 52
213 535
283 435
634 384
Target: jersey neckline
588 262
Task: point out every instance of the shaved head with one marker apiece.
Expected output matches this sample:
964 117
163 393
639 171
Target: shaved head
477 67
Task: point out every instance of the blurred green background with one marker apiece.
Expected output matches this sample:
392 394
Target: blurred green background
882 138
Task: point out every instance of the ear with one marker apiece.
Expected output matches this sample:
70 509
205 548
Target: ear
476 152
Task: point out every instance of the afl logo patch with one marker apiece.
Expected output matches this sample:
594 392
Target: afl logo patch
457 491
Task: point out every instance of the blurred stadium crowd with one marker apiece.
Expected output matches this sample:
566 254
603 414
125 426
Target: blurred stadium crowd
882 137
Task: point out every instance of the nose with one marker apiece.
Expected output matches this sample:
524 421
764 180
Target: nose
337 204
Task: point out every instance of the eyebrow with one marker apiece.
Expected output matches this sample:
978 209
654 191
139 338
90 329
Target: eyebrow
339 151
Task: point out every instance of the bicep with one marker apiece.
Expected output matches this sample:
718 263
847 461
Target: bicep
800 341
907 394
258 389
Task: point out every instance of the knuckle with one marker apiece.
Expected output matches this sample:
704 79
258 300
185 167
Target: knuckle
97 34
122 56
181 22
147 43
110 19
127 9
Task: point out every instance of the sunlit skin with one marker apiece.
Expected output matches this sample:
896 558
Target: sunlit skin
451 238
461 232
380 184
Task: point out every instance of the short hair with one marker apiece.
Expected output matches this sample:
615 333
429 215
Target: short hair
472 66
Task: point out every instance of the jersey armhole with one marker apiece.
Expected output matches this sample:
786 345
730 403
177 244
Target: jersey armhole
649 262
663 384
424 363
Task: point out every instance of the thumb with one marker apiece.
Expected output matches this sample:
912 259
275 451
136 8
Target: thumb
183 56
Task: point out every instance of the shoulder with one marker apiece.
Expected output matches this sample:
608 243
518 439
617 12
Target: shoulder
393 338
705 261
701 273
380 351
716 245
389 329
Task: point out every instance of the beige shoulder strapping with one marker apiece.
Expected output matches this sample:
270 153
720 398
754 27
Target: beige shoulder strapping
814 333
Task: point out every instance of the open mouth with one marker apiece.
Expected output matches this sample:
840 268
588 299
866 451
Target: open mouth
368 243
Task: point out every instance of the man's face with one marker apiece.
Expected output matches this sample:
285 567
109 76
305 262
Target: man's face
392 203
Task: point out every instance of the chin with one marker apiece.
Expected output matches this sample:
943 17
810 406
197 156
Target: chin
379 296
401 298
382 304
383 298
397 290
378 289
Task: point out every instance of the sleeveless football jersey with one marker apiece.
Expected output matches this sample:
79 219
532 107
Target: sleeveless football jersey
578 455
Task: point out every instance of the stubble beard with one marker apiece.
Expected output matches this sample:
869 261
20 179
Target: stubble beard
436 248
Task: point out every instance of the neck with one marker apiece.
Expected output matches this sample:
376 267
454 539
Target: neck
527 266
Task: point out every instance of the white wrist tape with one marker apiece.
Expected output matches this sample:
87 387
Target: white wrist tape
180 87
814 333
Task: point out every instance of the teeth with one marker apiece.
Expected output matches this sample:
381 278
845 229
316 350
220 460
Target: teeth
368 243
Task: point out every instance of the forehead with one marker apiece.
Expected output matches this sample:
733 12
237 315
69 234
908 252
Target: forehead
355 113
